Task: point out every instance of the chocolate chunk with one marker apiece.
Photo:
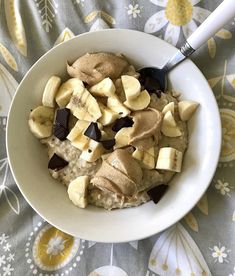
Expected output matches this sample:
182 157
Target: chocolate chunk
93 132
57 163
60 132
153 80
108 144
62 117
121 123
60 129
157 192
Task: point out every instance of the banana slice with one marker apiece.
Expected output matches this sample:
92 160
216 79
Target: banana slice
66 90
76 136
78 190
50 90
139 103
122 137
169 107
78 128
93 151
81 142
169 127
187 109
84 106
41 121
117 106
105 88
169 159
168 119
132 87
108 116
147 158
120 91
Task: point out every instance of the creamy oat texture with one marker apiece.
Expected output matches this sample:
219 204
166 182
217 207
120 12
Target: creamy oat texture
133 180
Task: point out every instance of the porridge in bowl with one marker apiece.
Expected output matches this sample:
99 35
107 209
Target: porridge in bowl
113 138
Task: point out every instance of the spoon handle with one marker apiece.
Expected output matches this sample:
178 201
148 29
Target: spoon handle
214 22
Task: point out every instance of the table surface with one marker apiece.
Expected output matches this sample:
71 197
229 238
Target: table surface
203 243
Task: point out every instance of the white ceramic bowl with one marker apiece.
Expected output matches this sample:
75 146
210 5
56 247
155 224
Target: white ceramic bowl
28 158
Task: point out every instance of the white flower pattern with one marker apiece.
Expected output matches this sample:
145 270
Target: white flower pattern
223 187
220 253
3 238
7 270
7 247
5 260
133 10
11 257
2 260
55 245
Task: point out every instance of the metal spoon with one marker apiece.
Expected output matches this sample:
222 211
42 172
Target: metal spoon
156 79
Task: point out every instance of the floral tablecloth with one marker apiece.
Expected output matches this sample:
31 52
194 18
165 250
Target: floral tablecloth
203 243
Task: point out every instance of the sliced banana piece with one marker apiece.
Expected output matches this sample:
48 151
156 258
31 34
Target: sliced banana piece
78 128
117 106
187 109
41 121
169 159
84 106
147 158
122 137
77 137
81 142
93 151
66 90
139 103
108 115
78 190
169 107
120 91
50 91
169 120
105 88
169 127
131 86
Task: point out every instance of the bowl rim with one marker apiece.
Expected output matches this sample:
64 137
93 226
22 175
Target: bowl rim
215 160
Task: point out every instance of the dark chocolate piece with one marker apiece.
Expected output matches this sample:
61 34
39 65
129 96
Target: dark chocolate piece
60 132
157 192
93 132
108 144
57 163
121 123
61 125
152 80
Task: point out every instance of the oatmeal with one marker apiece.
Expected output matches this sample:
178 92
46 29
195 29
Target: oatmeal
110 141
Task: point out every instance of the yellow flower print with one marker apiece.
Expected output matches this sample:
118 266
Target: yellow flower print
53 249
181 14
176 15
